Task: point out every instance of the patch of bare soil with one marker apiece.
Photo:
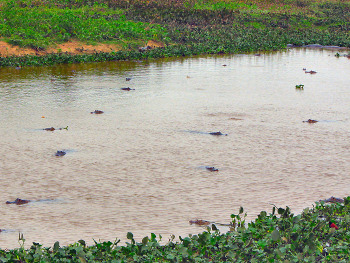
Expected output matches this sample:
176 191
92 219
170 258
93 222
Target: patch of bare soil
72 47
155 44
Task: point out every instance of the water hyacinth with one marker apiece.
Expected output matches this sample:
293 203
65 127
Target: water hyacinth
272 237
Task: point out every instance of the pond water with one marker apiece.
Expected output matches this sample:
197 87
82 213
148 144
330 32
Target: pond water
140 166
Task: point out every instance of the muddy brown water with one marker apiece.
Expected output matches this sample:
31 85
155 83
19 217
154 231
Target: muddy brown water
138 167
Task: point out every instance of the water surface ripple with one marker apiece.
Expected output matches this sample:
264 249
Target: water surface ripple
139 166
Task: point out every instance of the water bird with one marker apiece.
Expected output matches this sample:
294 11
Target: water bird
128 79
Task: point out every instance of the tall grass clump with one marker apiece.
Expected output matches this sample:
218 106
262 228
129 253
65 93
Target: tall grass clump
39 26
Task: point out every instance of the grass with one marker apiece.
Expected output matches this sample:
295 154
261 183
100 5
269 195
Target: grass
187 27
39 26
279 236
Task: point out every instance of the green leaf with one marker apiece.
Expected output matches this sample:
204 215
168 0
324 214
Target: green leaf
82 242
275 235
153 236
279 252
183 252
263 214
281 211
241 210
56 246
129 235
214 228
145 241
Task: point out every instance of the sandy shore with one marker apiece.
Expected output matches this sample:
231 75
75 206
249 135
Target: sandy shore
71 47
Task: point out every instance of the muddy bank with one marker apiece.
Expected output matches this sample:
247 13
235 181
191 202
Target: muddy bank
71 48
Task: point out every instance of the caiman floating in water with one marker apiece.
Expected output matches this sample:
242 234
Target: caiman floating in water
311 72
18 202
96 112
311 121
211 168
60 153
333 199
217 133
127 89
52 129
199 222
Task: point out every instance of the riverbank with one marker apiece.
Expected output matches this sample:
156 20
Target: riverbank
109 30
319 234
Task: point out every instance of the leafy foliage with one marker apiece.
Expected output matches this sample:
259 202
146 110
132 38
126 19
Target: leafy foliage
187 27
40 26
279 236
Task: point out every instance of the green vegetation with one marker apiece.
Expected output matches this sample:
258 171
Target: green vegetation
320 234
300 86
187 27
40 26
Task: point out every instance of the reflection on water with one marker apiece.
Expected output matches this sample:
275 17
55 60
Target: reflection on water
136 166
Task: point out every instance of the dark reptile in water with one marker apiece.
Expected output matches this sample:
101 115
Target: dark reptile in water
311 72
333 199
310 121
217 133
211 168
96 112
18 202
127 89
53 129
60 153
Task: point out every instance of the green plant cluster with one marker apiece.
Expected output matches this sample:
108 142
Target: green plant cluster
187 27
279 236
39 26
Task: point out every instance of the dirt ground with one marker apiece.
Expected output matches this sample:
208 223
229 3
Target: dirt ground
71 47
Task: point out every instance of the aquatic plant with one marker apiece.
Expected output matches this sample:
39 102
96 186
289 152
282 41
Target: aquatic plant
279 236
300 86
